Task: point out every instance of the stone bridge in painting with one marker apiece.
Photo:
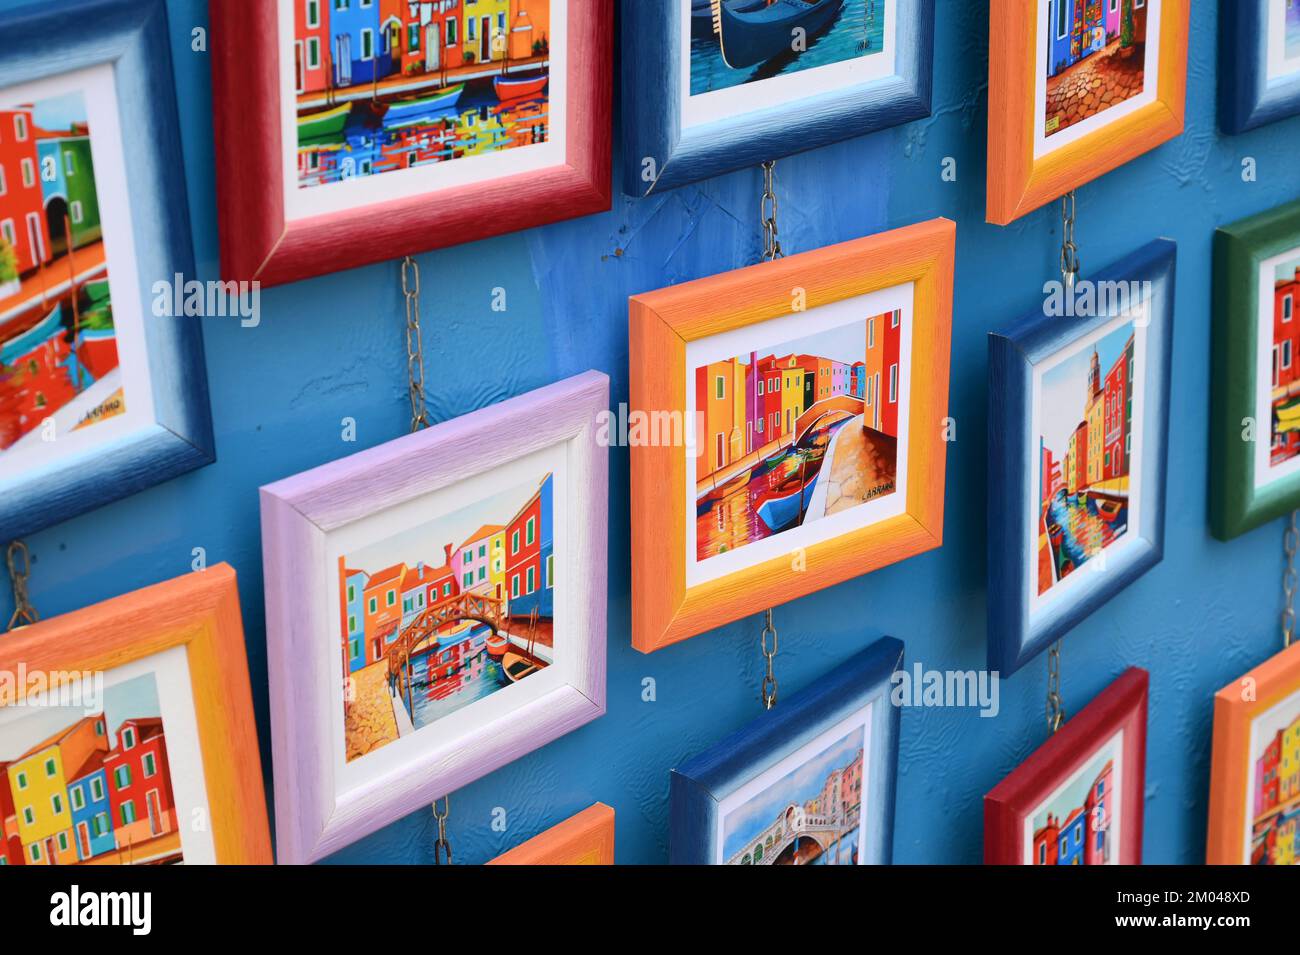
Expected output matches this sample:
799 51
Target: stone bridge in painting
468 605
790 827
834 405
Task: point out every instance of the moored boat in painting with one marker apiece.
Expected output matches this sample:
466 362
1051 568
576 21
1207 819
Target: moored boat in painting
421 110
324 124
755 31
509 88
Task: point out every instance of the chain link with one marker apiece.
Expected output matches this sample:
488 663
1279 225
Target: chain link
19 572
768 692
1069 251
414 344
1290 538
1055 706
767 209
442 848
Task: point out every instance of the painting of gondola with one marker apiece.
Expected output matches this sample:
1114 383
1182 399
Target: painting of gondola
58 343
1096 58
1087 454
797 431
734 42
391 85
425 634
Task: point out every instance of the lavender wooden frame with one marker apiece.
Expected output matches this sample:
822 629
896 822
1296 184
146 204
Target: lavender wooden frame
312 818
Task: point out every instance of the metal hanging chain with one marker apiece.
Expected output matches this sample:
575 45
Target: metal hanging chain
441 847
768 691
1069 251
767 209
414 344
19 571
1055 705
1290 537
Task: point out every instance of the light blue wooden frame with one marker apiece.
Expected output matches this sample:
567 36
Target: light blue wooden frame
1246 98
50 39
696 789
1014 634
652 128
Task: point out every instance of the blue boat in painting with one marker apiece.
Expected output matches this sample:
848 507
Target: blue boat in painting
783 506
755 31
701 17
421 110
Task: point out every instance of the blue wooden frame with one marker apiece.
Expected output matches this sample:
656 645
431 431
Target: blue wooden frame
696 788
1246 98
652 103
51 39
1014 634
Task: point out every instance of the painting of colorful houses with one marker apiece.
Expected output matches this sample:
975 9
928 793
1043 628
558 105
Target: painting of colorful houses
1292 29
89 789
1275 791
810 816
1077 825
58 345
438 617
384 85
1096 58
755 40
1085 455
1280 314
790 435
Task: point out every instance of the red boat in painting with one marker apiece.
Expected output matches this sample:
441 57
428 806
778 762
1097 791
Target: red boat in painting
510 88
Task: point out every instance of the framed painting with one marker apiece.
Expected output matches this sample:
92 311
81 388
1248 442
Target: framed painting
127 734
1260 62
715 85
99 397
1078 799
1255 416
435 609
352 133
790 427
1077 88
1078 444
1255 767
584 839
810 782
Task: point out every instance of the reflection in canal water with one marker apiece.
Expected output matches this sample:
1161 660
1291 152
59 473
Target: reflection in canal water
476 677
1078 530
772 499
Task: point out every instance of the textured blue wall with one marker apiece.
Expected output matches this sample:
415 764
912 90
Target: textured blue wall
333 347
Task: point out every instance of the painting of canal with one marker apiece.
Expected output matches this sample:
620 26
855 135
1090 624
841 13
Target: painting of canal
1273 812
1279 339
1085 453
756 40
58 343
810 814
82 787
797 432
447 613
1096 58
1079 823
388 85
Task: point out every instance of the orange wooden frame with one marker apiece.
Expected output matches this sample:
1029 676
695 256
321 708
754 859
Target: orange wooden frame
664 609
1231 766
1017 182
199 612
584 839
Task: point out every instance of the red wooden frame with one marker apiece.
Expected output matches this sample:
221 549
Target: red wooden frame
257 243
1122 705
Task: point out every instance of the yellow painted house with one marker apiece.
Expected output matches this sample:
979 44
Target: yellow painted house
497 565
791 394
38 782
486 33
1289 773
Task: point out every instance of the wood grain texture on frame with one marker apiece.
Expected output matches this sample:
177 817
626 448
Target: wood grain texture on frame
1017 182
1122 705
664 609
313 818
586 838
257 242
1231 763
1237 505
200 614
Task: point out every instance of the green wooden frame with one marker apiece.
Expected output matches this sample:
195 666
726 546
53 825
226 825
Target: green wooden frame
1236 505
